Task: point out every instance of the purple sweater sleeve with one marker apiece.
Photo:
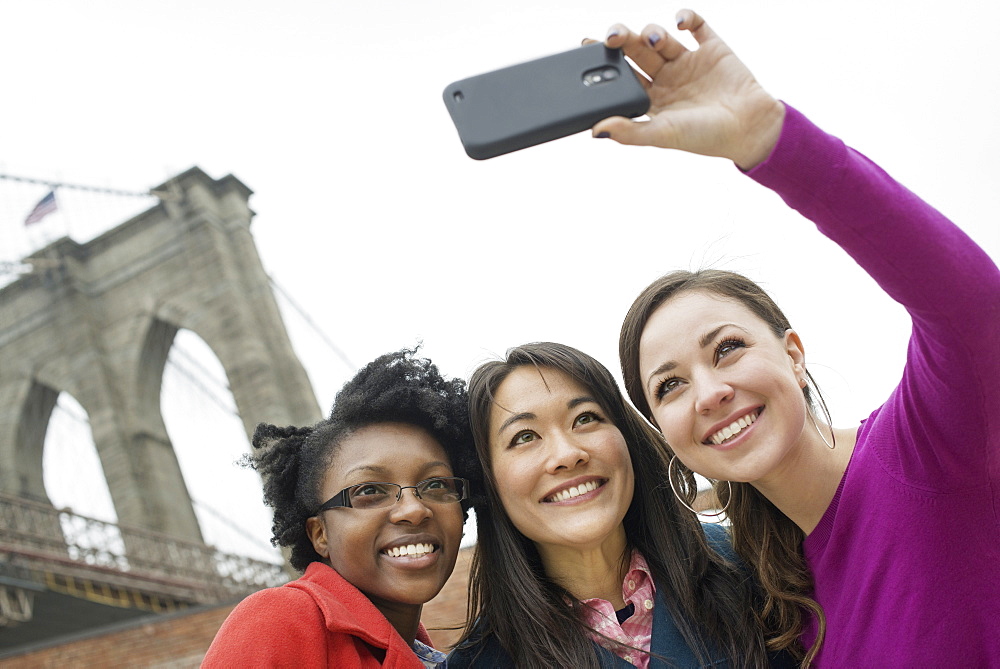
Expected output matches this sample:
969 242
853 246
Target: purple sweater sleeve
940 427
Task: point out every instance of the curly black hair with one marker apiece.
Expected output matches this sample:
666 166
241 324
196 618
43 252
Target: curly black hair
394 388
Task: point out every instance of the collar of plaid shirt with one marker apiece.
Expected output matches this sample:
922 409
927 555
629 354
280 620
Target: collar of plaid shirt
637 630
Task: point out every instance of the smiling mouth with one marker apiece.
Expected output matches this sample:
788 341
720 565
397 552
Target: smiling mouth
576 491
733 429
410 550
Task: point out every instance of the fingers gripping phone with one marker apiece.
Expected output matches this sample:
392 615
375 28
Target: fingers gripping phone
544 99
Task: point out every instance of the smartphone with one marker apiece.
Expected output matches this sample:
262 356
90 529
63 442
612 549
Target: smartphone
544 99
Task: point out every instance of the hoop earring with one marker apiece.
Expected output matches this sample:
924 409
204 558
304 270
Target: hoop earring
821 435
670 478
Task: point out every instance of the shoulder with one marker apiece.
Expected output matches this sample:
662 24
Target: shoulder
277 606
303 608
277 624
479 652
719 539
343 608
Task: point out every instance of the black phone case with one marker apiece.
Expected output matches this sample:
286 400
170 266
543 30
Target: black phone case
523 105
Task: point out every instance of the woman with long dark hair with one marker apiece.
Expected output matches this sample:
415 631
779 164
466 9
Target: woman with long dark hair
585 557
878 543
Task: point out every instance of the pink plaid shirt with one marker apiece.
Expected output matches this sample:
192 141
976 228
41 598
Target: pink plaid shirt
637 631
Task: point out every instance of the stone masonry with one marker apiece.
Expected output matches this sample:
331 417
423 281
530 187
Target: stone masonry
97 320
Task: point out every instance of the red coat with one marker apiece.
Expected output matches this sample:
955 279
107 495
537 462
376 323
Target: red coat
318 620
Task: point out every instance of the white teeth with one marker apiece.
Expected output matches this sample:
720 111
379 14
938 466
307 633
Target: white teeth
575 491
416 550
733 428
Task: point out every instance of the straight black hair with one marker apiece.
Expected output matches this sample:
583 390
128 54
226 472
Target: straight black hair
512 598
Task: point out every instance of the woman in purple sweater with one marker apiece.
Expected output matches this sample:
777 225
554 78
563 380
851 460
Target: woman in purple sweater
879 545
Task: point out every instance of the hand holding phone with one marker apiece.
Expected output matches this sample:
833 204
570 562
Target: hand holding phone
544 99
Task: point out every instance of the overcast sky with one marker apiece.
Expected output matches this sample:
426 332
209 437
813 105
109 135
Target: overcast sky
370 215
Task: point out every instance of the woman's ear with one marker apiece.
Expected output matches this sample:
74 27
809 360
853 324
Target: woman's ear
316 531
796 353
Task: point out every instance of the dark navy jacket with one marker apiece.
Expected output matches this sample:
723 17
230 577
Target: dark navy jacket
666 641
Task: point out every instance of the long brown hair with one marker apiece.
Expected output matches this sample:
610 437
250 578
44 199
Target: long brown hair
762 535
511 597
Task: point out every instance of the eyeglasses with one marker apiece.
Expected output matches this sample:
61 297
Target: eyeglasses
376 495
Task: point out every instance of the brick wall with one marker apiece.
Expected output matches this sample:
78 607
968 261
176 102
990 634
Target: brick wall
179 641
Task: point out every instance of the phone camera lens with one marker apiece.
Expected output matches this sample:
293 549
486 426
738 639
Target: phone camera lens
599 76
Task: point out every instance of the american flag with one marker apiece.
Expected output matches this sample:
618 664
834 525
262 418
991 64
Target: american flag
45 206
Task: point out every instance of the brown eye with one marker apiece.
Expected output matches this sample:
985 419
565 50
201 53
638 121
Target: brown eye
667 386
369 489
727 346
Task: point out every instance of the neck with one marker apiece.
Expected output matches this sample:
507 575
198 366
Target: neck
803 487
404 617
589 572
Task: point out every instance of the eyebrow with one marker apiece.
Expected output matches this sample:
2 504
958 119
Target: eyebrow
527 415
524 415
707 338
375 469
384 472
703 341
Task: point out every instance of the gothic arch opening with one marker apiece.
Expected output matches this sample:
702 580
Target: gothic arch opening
76 485
72 470
209 439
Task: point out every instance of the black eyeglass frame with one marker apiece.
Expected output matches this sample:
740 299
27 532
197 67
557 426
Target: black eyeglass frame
343 498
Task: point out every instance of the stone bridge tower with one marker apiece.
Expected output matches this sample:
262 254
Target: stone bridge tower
97 320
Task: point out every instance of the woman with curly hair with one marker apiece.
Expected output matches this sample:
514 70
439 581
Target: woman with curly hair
371 503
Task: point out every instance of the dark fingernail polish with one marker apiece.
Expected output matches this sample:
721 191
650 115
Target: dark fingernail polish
654 39
602 135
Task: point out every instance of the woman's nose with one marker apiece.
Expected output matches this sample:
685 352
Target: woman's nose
565 453
410 507
710 393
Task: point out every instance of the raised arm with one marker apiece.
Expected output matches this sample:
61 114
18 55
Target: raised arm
706 101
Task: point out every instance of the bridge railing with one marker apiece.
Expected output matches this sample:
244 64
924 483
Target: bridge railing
41 531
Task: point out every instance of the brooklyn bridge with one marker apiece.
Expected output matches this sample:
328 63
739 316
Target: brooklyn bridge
98 322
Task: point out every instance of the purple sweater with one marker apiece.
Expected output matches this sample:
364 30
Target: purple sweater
906 559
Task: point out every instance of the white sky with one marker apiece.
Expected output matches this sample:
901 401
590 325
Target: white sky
373 219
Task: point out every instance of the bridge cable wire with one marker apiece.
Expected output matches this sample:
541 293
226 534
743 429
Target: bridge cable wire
312 324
